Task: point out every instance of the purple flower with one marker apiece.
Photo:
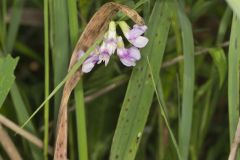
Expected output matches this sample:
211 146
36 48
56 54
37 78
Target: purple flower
90 62
111 38
127 56
134 35
104 54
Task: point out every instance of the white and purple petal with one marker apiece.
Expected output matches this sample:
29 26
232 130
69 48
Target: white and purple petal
137 31
129 56
134 35
111 45
139 42
134 53
104 56
89 63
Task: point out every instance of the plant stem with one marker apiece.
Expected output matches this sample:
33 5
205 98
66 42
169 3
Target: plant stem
46 71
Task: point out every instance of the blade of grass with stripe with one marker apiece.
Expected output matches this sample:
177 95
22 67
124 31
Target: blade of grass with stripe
140 91
60 46
185 122
235 5
233 76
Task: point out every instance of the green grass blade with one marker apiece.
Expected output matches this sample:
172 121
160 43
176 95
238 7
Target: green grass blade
140 91
60 46
14 24
46 80
73 21
7 67
81 122
235 5
22 115
188 84
220 61
233 76
224 24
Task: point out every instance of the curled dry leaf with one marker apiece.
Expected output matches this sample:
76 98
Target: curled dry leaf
94 30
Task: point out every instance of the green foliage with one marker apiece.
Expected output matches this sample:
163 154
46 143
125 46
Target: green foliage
176 103
235 5
185 122
139 95
233 76
7 67
220 61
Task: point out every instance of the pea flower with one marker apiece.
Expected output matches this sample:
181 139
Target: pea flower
111 38
112 42
104 54
90 62
127 56
134 35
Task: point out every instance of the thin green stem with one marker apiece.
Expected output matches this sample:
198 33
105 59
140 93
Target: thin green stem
46 70
81 122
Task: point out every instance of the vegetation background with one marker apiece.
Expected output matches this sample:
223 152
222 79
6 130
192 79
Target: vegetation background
181 101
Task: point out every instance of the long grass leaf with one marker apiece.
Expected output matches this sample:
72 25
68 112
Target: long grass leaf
140 91
60 50
14 24
220 61
235 5
233 76
7 67
188 84
81 122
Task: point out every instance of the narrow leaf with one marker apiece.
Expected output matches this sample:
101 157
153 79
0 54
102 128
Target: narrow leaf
233 76
188 84
235 5
220 61
140 91
7 67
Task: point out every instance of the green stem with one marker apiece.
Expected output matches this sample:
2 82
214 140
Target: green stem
81 122
46 70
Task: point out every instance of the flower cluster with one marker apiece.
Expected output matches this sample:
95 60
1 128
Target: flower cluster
112 42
